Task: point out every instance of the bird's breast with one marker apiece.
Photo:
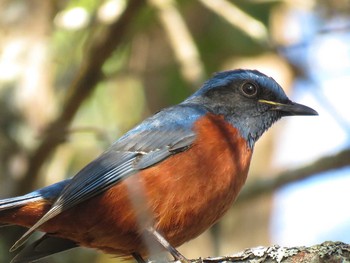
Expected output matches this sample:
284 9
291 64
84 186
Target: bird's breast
190 191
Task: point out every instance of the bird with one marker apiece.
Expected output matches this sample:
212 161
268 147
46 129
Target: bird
162 183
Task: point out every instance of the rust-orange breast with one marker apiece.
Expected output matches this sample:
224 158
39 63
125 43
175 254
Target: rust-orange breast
190 191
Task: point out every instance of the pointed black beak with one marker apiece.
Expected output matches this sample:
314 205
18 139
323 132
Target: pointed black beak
290 108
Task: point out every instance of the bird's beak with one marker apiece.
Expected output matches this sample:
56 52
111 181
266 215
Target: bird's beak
290 108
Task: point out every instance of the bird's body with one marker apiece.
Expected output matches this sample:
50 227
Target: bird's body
171 184
179 171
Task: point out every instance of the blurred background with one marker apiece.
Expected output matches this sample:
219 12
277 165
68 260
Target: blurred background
75 75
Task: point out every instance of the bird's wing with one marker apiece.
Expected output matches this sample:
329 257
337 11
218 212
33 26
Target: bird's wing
158 137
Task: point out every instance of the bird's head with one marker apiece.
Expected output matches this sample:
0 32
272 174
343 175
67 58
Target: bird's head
249 100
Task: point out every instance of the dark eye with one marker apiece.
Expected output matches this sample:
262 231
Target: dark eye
249 89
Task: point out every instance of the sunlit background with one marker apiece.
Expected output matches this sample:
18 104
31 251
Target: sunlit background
160 56
312 211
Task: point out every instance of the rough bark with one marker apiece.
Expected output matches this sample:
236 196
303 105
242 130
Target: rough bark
325 252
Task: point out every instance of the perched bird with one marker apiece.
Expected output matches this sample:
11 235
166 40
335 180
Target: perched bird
167 180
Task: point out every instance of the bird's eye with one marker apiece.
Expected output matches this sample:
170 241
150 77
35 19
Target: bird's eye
249 89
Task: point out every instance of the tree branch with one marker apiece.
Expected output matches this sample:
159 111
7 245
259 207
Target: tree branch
268 185
325 252
90 74
239 19
181 41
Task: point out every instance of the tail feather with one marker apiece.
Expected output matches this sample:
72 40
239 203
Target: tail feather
19 201
49 193
26 210
44 247
21 209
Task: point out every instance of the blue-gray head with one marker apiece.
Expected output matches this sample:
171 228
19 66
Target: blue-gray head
249 100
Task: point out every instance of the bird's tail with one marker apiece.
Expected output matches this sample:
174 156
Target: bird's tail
27 209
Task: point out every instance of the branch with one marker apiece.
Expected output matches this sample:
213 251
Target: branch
268 185
325 252
239 19
90 74
181 41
